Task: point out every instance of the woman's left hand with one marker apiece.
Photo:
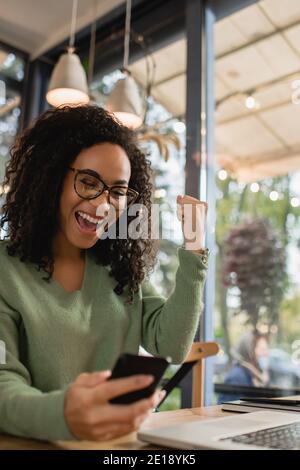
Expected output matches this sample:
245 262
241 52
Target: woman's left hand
192 214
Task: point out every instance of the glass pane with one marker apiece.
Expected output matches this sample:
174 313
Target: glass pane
11 73
162 136
11 65
9 120
257 142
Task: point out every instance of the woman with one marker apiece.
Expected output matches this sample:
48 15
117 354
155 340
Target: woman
71 299
250 361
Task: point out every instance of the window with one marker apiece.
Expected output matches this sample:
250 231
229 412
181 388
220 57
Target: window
12 69
257 140
162 137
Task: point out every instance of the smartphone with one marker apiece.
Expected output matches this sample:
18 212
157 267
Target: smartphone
131 364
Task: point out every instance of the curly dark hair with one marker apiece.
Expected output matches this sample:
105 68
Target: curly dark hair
35 174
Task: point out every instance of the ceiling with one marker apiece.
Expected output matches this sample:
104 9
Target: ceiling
35 26
257 50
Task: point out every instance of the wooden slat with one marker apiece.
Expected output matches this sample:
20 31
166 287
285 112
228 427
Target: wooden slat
198 352
201 350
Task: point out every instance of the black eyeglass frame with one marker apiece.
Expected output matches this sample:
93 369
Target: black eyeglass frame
105 186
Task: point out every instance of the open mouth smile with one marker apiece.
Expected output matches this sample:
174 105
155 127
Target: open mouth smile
86 222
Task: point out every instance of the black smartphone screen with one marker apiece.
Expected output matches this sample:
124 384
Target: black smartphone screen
131 364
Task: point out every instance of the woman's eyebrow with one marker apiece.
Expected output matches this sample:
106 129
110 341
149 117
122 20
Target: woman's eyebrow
121 182
91 172
94 173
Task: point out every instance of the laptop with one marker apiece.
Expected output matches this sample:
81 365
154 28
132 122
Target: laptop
258 430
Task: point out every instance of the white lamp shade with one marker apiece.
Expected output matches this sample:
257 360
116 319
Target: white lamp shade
125 102
68 83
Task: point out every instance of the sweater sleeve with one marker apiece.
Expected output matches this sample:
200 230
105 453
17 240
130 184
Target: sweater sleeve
24 410
169 325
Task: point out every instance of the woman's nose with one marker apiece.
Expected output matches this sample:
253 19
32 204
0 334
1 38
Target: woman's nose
102 200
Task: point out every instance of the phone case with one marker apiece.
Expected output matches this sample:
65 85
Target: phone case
131 364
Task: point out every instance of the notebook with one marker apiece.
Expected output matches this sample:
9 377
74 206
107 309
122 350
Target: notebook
241 406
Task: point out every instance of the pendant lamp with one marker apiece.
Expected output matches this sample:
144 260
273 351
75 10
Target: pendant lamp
68 83
125 101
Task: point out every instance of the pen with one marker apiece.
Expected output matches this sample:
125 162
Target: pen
271 401
175 380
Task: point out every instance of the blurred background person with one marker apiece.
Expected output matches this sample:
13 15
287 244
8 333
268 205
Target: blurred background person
250 364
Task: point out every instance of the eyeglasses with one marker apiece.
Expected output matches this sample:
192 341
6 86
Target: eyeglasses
88 185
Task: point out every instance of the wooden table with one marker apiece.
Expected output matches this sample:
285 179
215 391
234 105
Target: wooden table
129 442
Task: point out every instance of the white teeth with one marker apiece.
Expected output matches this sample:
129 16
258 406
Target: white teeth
88 217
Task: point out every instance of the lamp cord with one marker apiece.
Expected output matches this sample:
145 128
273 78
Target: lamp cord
92 43
73 24
127 35
150 64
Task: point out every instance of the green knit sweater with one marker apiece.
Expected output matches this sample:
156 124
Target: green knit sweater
51 336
